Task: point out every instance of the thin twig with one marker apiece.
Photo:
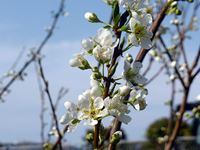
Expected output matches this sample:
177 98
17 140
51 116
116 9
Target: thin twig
171 59
42 97
151 60
38 50
46 84
155 75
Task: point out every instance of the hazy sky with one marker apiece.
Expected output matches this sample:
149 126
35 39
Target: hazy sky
22 26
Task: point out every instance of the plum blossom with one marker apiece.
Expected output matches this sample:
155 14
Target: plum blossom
140 34
88 44
105 42
137 99
70 118
91 108
79 61
117 108
131 73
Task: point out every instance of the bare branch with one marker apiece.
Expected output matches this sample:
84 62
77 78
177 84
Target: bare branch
46 84
155 75
38 50
171 59
151 60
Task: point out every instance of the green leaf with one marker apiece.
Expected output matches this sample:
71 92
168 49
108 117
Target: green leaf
116 14
75 121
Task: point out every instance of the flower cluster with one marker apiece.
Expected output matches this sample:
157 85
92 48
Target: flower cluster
92 107
107 96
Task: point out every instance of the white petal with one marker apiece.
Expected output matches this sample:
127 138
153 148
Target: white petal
133 21
127 65
140 105
98 103
147 20
83 100
133 40
136 67
103 113
90 122
139 79
87 44
70 106
74 62
107 102
124 118
71 127
146 43
93 82
124 90
65 119
96 92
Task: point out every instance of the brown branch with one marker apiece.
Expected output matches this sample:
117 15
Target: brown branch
171 110
38 50
195 74
108 79
154 28
59 139
196 60
179 119
151 60
181 44
46 84
42 97
140 57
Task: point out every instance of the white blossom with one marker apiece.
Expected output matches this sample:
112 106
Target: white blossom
117 108
79 61
105 43
131 73
91 109
88 44
102 54
137 99
124 90
70 117
140 34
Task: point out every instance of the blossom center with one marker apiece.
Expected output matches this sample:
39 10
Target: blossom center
139 31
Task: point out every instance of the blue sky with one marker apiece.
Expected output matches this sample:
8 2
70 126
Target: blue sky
22 26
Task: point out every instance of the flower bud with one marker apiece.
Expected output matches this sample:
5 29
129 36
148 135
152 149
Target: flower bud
91 17
80 62
124 90
89 137
129 58
116 137
87 44
140 104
